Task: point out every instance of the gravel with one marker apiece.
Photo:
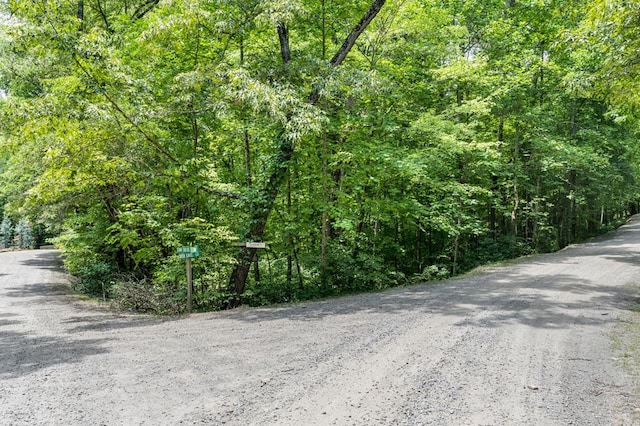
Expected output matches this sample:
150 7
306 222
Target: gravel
529 343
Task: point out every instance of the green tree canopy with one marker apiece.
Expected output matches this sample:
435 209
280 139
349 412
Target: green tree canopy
369 143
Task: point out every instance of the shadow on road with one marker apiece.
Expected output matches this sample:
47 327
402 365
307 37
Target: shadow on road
45 292
38 298
112 322
576 286
46 259
4 322
23 354
465 303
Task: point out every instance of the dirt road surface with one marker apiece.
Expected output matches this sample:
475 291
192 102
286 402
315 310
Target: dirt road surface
524 344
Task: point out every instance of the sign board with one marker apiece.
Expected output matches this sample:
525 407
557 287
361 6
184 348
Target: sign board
250 244
188 252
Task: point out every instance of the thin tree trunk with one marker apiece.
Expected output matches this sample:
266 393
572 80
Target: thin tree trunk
516 194
541 74
349 42
289 236
324 30
143 9
536 212
283 36
80 15
245 131
456 251
247 155
256 267
493 209
573 125
325 201
566 222
298 269
493 227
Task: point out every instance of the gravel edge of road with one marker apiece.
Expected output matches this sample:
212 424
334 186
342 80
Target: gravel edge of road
625 343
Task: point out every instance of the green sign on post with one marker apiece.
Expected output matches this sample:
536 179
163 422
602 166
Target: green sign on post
188 253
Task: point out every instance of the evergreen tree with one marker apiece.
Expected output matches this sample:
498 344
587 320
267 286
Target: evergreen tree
24 234
6 232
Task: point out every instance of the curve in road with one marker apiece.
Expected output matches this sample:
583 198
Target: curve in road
523 344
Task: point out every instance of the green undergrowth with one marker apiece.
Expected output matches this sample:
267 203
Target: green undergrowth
160 288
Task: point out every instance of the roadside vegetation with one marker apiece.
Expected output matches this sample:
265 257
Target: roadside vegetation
19 235
369 144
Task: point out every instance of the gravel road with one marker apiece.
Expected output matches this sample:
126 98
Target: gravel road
524 344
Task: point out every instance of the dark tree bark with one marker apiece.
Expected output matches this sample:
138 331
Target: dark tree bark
80 15
103 15
283 36
278 176
350 41
144 8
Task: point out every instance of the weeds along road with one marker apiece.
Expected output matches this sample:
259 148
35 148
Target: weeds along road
524 344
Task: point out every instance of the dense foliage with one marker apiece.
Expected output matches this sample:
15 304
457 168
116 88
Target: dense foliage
368 143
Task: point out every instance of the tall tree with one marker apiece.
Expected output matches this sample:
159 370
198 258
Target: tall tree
285 147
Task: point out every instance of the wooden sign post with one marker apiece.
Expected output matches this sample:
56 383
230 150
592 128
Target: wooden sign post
188 253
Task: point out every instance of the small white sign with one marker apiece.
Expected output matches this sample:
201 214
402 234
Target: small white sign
256 245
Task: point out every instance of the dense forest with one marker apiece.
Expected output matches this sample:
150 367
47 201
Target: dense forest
367 143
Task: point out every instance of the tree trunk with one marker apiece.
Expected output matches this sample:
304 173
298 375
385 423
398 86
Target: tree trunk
493 214
566 222
495 189
80 15
456 251
536 213
143 9
350 41
290 242
516 194
325 202
283 36
324 30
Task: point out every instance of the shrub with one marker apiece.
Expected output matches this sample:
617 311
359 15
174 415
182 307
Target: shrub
24 234
6 232
142 295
